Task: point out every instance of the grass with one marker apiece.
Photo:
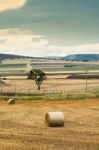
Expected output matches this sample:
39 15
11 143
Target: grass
95 90
11 66
80 68
53 96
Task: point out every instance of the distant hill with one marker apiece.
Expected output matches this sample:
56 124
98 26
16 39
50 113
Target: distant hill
76 57
82 57
11 56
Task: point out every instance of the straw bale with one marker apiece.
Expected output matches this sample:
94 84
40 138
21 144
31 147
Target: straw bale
54 119
11 101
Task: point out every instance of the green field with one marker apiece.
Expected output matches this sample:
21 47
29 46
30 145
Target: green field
18 67
74 68
12 66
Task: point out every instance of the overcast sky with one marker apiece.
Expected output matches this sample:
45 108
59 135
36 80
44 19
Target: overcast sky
49 27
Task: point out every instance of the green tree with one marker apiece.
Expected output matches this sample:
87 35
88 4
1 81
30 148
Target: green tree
38 76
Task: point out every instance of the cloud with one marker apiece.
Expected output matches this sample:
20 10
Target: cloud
23 42
76 49
11 4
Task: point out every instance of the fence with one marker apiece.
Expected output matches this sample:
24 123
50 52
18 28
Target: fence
29 94
51 95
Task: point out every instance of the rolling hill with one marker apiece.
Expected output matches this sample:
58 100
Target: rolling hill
82 57
76 57
11 56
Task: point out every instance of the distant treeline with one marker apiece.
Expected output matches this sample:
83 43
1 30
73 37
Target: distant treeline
83 76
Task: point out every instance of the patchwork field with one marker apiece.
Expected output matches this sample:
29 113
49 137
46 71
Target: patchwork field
21 66
22 126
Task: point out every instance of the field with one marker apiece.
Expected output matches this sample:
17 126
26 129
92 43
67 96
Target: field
56 70
21 66
22 126
51 85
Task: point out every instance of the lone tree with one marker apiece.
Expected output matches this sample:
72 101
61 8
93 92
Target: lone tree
38 76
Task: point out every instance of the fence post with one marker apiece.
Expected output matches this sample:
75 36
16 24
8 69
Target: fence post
86 81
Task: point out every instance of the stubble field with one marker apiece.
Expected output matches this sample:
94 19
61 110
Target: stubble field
22 85
22 126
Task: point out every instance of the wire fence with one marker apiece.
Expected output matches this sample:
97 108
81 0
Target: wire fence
29 94
60 95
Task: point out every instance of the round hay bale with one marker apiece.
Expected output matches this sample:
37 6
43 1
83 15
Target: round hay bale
11 101
54 119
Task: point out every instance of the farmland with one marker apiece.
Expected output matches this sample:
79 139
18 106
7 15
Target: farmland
21 66
57 76
22 85
22 126
63 78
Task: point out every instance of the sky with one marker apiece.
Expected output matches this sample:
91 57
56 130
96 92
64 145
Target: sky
49 27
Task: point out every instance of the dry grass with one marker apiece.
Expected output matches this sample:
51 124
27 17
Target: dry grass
49 85
22 126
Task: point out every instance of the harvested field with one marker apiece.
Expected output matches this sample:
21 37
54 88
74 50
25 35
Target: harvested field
49 85
22 126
